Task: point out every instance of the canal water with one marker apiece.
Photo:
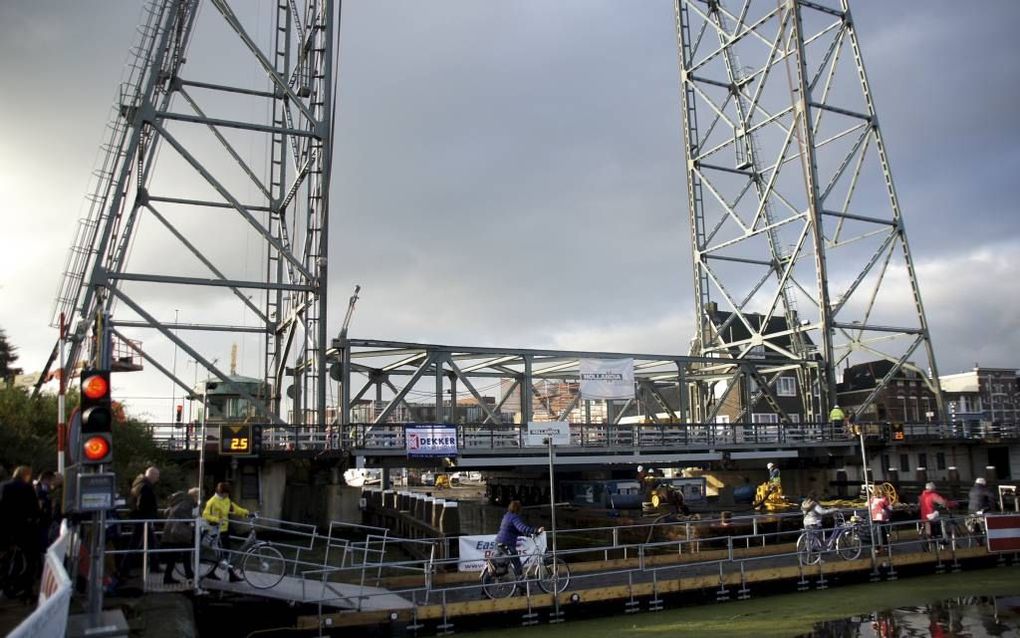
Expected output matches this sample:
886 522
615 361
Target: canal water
975 604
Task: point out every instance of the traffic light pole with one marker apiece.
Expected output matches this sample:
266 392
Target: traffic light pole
97 555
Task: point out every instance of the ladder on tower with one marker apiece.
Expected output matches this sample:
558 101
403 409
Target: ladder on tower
112 155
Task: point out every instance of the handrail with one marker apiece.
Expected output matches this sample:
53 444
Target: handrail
482 438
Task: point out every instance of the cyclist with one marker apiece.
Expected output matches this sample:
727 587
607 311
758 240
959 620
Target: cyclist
510 529
928 502
979 499
217 512
813 513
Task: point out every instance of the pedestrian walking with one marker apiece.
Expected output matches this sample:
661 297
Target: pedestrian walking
144 507
180 532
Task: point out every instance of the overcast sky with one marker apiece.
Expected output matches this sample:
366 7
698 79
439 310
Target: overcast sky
491 156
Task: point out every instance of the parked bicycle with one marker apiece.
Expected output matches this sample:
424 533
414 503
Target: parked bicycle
845 540
261 565
500 578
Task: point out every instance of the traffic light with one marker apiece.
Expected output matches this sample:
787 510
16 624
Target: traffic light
96 418
256 437
897 432
178 413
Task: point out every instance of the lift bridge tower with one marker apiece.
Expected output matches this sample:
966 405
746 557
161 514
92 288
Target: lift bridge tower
214 177
799 247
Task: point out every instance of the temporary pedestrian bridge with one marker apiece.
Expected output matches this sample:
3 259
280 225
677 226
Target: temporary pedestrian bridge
357 575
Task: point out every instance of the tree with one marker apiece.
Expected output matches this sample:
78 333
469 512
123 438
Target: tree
28 436
8 355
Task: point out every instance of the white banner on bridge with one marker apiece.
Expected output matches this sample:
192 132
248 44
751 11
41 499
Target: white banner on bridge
473 552
608 379
539 432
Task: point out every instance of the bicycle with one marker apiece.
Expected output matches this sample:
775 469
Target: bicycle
13 572
500 578
262 566
965 532
845 540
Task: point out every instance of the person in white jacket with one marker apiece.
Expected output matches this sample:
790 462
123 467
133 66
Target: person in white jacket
813 513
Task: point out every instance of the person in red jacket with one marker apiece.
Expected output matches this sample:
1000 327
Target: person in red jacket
928 502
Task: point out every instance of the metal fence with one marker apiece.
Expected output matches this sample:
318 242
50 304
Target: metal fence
488 438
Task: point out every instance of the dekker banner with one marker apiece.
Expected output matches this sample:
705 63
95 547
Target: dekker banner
610 379
431 440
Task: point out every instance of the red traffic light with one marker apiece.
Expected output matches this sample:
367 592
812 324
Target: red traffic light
95 386
96 448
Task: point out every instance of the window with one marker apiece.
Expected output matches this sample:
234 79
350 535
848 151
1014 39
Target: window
764 417
756 352
722 418
794 417
786 387
940 460
886 463
922 460
904 463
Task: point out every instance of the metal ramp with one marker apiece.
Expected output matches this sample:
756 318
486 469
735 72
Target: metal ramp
314 592
306 590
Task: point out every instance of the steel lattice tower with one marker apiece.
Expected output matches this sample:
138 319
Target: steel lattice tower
797 232
162 114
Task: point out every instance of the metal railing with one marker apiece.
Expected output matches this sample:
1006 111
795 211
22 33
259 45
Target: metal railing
690 556
357 567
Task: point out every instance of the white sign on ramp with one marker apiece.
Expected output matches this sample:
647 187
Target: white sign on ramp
539 433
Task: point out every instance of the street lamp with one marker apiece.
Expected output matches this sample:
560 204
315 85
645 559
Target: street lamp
194 384
173 370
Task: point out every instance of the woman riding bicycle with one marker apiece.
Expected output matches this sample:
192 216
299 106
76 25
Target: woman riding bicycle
510 529
217 512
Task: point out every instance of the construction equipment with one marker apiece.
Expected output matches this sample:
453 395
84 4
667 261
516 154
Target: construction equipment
888 491
770 496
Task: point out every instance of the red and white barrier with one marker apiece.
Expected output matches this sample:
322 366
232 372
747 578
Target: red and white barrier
1003 532
50 616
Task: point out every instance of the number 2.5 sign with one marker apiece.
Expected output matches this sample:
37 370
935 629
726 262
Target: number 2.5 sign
235 439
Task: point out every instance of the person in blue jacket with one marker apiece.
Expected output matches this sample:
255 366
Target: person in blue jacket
510 528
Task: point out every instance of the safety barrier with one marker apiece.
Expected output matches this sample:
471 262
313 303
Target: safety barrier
49 619
733 562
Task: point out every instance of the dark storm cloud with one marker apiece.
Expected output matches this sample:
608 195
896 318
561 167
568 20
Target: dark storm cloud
512 173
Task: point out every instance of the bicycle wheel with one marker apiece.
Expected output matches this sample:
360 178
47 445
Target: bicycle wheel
497 586
14 570
209 558
962 538
263 566
550 576
848 544
807 553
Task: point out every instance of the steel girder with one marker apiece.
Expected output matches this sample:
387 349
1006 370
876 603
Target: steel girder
159 108
799 245
400 371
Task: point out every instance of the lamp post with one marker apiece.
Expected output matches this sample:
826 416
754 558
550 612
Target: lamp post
173 369
867 485
194 384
